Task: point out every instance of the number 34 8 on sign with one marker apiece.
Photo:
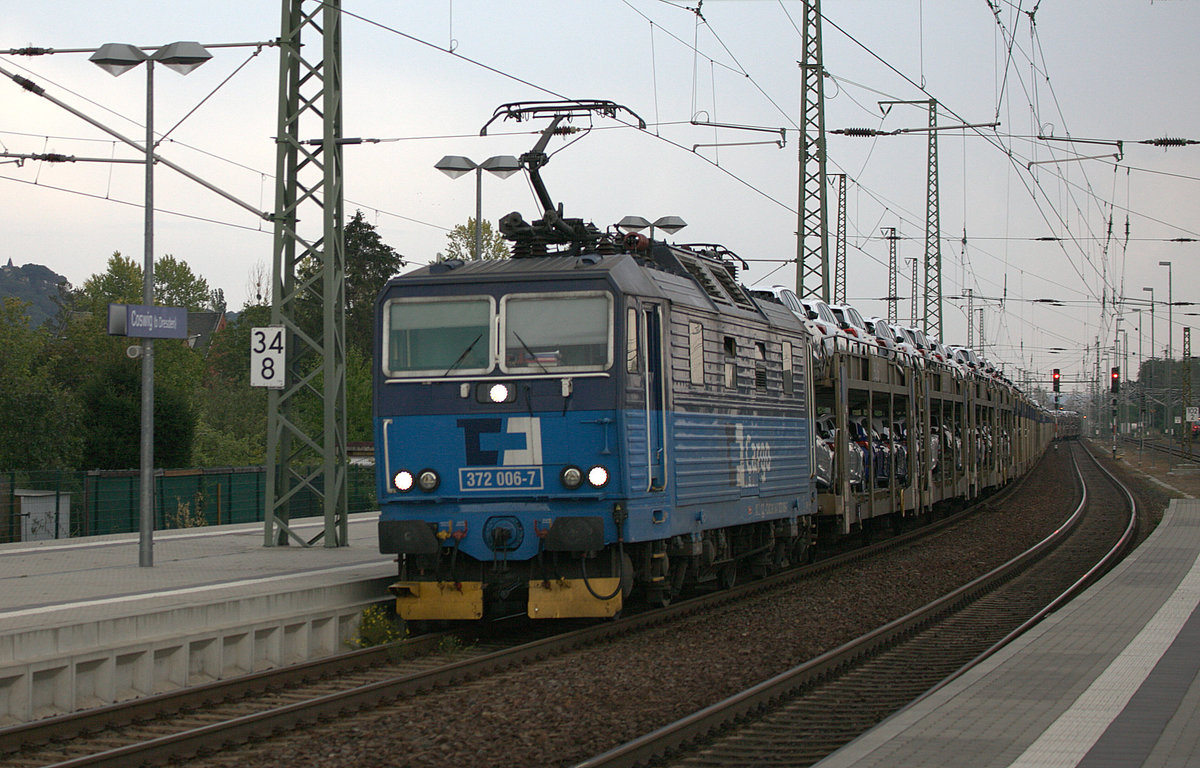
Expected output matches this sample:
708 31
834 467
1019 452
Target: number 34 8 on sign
267 357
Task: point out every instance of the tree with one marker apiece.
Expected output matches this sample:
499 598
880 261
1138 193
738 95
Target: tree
39 426
93 365
175 285
232 419
121 283
460 242
369 264
112 419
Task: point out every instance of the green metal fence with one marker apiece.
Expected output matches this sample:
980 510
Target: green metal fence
58 504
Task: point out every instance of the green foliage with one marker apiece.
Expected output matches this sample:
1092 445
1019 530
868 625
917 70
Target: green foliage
376 626
175 285
460 242
451 645
188 514
215 446
112 419
369 264
35 285
121 283
359 425
72 398
39 419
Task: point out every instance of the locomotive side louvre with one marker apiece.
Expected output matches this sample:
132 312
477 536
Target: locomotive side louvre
741 429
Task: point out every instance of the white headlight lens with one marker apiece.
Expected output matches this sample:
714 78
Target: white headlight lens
598 476
572 477
403 481
498 393
428 480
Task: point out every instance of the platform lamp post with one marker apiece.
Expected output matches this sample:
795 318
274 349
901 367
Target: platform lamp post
1170 345
117 59
502 166
1151 368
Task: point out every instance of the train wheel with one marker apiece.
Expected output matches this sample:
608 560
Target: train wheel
727 576
626 576
658 596
802 551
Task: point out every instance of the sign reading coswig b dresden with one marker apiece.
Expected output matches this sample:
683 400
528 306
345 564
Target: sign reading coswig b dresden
143 322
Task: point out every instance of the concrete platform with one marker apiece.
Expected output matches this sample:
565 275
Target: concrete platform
81 625
1109 680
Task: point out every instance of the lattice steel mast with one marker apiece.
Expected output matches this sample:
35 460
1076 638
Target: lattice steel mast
812 244
839 260
893 297
933 235
306 422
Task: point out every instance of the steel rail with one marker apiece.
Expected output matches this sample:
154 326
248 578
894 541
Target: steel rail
208 737
766 695
13 738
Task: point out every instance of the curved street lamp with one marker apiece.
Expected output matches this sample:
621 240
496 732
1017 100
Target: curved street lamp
117 59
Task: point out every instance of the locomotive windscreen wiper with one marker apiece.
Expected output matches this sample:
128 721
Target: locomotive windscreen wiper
464 354
529 352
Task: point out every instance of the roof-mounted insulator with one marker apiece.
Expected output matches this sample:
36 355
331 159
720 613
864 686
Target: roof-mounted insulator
859 132
1169 142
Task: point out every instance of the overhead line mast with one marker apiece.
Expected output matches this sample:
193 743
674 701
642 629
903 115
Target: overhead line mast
839 259
933 236
812 237
306 457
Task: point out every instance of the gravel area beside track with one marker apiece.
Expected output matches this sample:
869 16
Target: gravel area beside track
563 710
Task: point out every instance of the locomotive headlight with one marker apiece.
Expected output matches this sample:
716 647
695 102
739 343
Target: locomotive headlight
403 481
571 477
598 476
428 480
495 392
498 393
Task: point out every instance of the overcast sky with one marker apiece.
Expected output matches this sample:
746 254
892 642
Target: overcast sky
1103 70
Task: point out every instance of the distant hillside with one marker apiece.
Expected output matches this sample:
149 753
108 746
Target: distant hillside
35 284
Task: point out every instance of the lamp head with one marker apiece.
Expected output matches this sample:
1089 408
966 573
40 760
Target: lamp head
633 224
118 58
502 166
455 165
182 57
670 224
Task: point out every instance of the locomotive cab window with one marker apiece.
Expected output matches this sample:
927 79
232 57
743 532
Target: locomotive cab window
556 333
438 337
632 354
730 362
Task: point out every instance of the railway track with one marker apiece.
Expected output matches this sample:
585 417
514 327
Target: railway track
801 716
200 720
1159 446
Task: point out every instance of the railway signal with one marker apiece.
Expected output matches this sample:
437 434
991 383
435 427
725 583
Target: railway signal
1115 385
1055 378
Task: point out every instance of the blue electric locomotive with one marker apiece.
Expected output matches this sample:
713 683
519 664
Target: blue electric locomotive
599 415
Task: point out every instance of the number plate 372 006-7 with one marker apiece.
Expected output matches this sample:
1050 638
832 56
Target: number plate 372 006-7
500 478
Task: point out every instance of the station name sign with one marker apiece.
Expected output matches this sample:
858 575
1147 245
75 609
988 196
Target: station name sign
146 322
